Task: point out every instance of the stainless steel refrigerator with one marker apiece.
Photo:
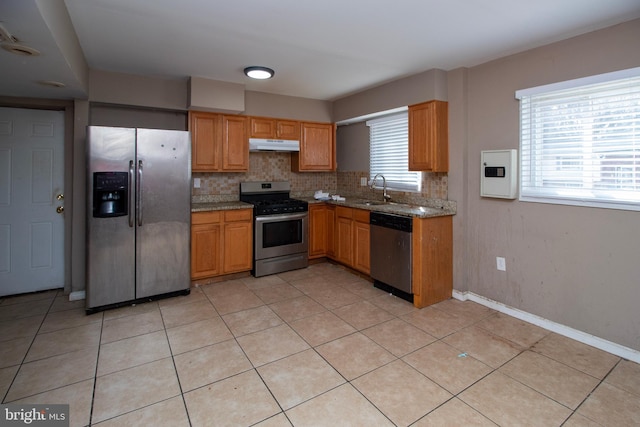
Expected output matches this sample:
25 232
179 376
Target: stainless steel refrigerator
139 215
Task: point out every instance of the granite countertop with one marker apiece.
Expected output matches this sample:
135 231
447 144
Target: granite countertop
219 206
398 208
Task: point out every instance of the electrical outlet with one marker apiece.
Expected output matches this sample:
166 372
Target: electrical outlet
196 182
501 264
363 181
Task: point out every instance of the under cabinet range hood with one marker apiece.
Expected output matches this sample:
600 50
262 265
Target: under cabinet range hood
260 144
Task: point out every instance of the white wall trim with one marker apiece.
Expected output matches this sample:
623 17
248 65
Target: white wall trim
583 337
75 296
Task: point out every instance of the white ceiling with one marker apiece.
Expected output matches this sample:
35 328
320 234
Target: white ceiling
319 49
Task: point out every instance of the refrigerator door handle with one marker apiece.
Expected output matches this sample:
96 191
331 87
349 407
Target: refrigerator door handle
139 193
130 210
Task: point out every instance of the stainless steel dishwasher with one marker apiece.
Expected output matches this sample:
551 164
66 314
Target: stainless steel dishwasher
391 253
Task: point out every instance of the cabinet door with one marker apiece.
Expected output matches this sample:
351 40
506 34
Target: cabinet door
205 250
317 148
287 129
237 247
235 144
318 233
432 263
429 137
262 127
331 231
361 241
206 132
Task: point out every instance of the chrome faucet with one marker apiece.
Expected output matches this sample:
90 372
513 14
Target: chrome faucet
385 196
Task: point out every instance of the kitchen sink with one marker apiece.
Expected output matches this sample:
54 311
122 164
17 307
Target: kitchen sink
372 203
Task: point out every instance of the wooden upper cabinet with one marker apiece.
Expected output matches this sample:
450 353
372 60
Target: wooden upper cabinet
235 144
429 137
317 148
219 143
262 127
205 129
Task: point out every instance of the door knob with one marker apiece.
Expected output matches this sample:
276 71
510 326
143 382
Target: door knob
60 209
60 197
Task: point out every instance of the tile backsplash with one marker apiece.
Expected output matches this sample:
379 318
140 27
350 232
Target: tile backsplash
274 166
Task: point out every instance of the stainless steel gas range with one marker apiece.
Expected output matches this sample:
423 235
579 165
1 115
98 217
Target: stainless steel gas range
281 229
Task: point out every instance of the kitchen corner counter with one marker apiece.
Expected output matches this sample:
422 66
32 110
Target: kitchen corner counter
397 208
219 206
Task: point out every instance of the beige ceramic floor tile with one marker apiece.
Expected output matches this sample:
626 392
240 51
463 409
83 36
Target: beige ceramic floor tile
611 406
401 393
354 355
322 328
626 376
296 308
271 344
242 400
62 303
135 388
182 314
13 352
252 320
232 303
169 412
53 372
130 326
454 413
469 309
363 315
334 297
435 322
131 310
279 420
302 273
515 330
78 396
445 365
32 297
196 294
299 377
127 353
392 304
6 377
398 337
342 406
509 403
64 341
20 328
563 384
276 293
198 334
68 319
263 282
579 356
209 364
226 288
484 346
313 284
24 309
577 420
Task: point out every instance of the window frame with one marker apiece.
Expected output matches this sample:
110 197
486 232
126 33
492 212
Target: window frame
531 142
392 181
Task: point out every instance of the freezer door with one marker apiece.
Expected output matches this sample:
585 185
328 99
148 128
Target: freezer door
110 240
164 212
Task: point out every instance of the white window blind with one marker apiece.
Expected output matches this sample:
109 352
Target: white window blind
389 155
580 142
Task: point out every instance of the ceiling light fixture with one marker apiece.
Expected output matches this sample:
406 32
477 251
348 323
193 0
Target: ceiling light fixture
20 49
51 83
260 73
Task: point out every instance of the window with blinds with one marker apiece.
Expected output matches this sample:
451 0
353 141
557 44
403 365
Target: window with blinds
389 152
580 141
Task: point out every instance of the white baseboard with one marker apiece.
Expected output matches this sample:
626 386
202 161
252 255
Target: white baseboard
583 337
75 296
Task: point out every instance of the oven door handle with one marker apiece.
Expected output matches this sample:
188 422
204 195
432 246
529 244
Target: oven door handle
282 217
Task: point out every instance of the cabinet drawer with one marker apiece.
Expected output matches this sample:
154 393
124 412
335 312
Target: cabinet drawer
237 215
205 217
361 215
342 212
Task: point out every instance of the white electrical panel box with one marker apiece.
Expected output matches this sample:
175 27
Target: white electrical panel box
499 173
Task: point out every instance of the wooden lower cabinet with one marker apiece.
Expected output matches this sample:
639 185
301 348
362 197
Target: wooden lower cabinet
432 278
361 241
221 242
352 238
318 230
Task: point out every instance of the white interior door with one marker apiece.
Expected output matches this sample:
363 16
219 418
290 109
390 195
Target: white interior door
31 182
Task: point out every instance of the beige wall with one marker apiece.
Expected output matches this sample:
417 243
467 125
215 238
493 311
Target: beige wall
576 266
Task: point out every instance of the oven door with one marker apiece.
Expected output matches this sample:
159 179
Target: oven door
278 235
